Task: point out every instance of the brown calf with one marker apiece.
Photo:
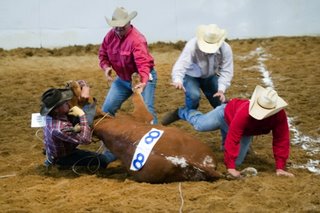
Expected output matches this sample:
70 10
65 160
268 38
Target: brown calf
177 156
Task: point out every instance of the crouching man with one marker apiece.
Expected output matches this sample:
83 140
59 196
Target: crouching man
239 120
59 140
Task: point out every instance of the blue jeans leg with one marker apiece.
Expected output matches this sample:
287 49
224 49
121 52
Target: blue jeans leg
119 92
209 87
244 147
209 121
148 95
192 95
109 156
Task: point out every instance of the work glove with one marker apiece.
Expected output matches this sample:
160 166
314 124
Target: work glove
76 111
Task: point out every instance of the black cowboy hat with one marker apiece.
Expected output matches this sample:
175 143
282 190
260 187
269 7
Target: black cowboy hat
52 98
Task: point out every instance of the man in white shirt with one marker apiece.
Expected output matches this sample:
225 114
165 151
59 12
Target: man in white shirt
205 63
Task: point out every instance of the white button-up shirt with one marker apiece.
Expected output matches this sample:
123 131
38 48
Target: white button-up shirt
195 63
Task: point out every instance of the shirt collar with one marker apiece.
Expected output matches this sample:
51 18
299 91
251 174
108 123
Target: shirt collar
128 32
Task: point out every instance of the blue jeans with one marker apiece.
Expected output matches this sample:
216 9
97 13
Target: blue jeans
209 87
120 91
211 121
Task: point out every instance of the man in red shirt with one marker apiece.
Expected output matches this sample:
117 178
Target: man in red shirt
124 49
60 142
239 120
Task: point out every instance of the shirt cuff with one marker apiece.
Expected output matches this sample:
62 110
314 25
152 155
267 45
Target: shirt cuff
176 80
105 67
230 164
280 164
222 88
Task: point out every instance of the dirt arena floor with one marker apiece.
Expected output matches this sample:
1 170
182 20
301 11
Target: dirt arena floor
293 66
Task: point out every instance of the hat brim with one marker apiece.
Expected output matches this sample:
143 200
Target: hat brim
258 112
121 23
205 46
67 95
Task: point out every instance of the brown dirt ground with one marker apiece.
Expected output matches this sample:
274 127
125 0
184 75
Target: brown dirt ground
26 186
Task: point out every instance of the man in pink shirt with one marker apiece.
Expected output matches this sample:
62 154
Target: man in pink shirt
124 49
239 120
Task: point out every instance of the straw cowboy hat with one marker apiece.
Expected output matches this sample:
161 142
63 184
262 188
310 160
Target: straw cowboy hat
210 38
52 98
265 102
120 17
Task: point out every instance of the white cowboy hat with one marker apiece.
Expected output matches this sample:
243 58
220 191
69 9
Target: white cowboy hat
120 17
265 102
210 38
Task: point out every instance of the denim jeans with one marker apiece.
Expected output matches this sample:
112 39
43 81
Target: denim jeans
209 87
120 91
211 121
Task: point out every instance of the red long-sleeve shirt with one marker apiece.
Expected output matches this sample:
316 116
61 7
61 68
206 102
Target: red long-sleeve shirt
241 123
126 55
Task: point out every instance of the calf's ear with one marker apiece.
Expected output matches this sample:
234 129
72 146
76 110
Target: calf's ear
76 89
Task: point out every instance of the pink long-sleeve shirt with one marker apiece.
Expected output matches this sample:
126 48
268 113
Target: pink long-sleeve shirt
241 123
126 55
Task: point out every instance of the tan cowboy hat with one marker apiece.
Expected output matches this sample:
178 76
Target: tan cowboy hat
52 98
265 102
120 17
210 37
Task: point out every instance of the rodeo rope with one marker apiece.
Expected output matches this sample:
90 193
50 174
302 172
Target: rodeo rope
75 164
98 151
37 136
93 157
106 115
181 197
88 166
